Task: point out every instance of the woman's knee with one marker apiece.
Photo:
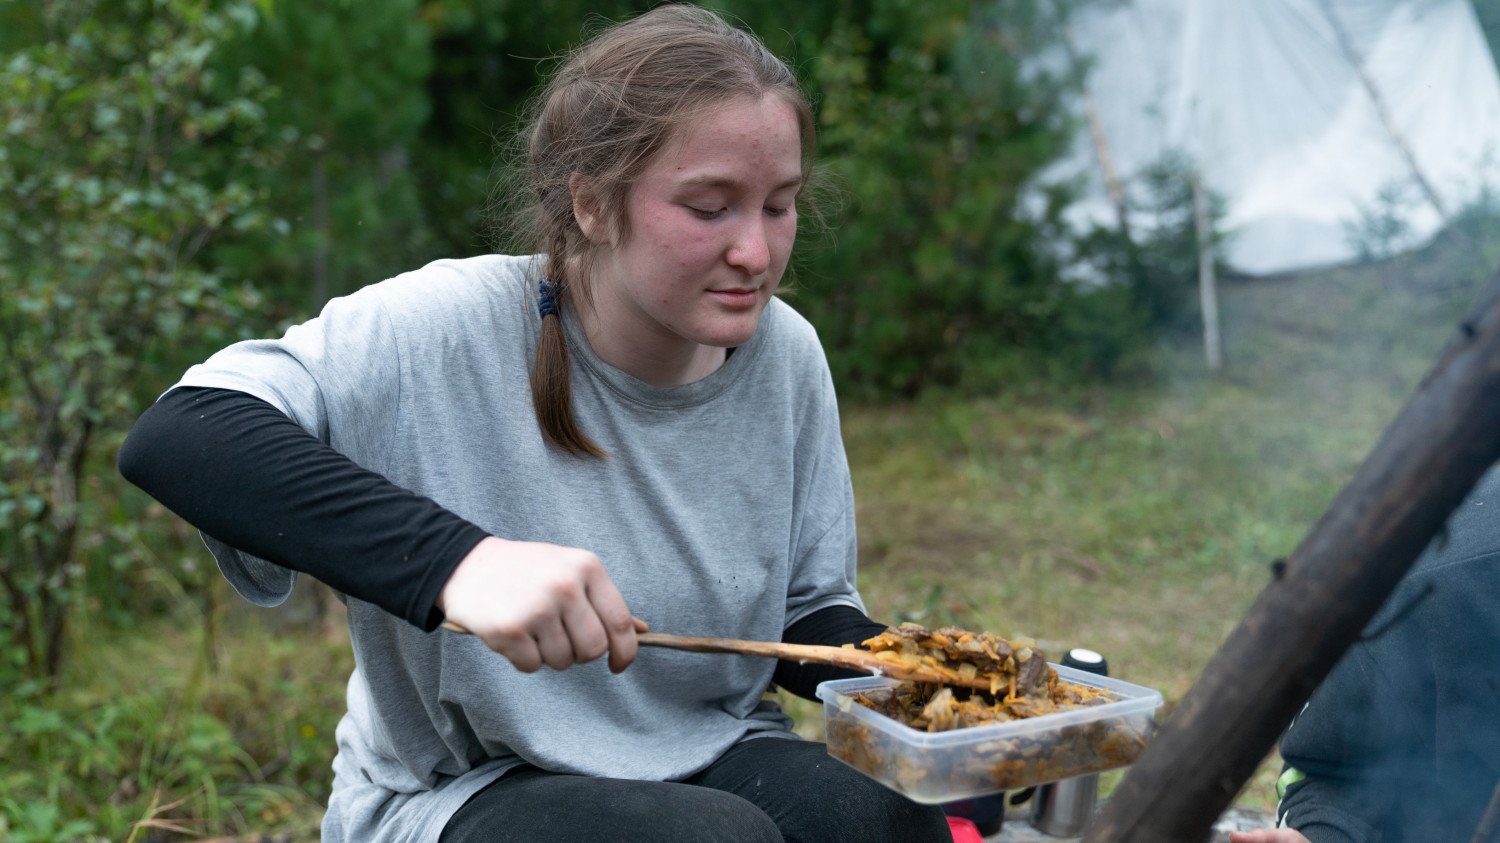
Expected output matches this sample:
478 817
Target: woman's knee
686 813
816 798
714 815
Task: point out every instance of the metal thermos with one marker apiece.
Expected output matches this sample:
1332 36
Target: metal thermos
1066 808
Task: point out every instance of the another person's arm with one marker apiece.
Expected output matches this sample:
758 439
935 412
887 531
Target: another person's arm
1355 745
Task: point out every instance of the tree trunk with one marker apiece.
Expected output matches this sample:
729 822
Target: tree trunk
1208 292
1100 140
1382 110
1321 598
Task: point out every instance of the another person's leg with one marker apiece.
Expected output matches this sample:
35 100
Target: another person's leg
815 798
529 804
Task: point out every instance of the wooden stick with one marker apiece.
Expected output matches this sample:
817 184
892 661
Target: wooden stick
846 657
863 661
1428 460
1208 295
1383 111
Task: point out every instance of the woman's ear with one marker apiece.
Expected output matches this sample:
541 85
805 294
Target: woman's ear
587 211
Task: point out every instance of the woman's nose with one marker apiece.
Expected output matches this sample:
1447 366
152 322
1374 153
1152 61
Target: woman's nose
751 250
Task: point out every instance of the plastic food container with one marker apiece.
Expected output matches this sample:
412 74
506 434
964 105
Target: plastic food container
934 767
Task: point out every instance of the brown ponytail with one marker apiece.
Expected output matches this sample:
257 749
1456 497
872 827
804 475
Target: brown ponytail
612 104
551 392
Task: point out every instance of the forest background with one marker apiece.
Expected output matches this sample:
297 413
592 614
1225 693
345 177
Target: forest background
1030 453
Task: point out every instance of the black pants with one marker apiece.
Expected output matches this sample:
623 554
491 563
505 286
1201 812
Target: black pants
766 789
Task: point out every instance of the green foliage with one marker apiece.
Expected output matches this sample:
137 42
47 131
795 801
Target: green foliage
1469 247
488 57
351 102
1478 224
1469 244
479 75
1104 330
933 123
124 154
1151 277
394 109
1166 280
238 749
1382 229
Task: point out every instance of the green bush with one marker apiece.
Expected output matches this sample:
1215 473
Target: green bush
124 154
149 736
933 122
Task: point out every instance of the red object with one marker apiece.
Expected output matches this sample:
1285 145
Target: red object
964 831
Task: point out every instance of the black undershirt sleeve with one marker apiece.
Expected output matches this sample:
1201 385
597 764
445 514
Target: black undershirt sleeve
238 469
834 626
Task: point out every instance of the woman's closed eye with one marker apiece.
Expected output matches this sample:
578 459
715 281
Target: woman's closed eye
708 214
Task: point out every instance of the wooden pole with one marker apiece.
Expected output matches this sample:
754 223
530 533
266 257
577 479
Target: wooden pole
1427 461
1346 45
1208 292
1102 153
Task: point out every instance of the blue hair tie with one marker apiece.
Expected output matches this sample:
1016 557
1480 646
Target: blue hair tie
546 292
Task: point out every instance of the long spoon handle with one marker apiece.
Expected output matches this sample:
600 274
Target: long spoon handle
863 661
845 657
801 653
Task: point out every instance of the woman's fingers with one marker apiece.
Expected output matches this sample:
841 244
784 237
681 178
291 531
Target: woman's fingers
540 604
521 650
619 625
553 643
585 631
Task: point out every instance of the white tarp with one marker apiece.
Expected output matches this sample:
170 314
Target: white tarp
1264 98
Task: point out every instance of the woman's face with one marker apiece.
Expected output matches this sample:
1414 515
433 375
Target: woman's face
710 226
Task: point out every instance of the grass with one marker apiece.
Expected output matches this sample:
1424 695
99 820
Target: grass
1138 519
145 741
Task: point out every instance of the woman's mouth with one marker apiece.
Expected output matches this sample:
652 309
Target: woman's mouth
738 297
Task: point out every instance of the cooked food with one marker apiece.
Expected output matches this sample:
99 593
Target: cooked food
1088 734
1021 682
1007 763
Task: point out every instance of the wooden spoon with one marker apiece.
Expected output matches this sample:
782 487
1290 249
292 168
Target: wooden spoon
846 657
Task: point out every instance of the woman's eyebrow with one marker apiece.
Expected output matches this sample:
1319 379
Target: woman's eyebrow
734 184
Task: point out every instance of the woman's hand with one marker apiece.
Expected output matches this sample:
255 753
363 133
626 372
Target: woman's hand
540 604
1267 835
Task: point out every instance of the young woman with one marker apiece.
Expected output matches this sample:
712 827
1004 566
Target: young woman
543 449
